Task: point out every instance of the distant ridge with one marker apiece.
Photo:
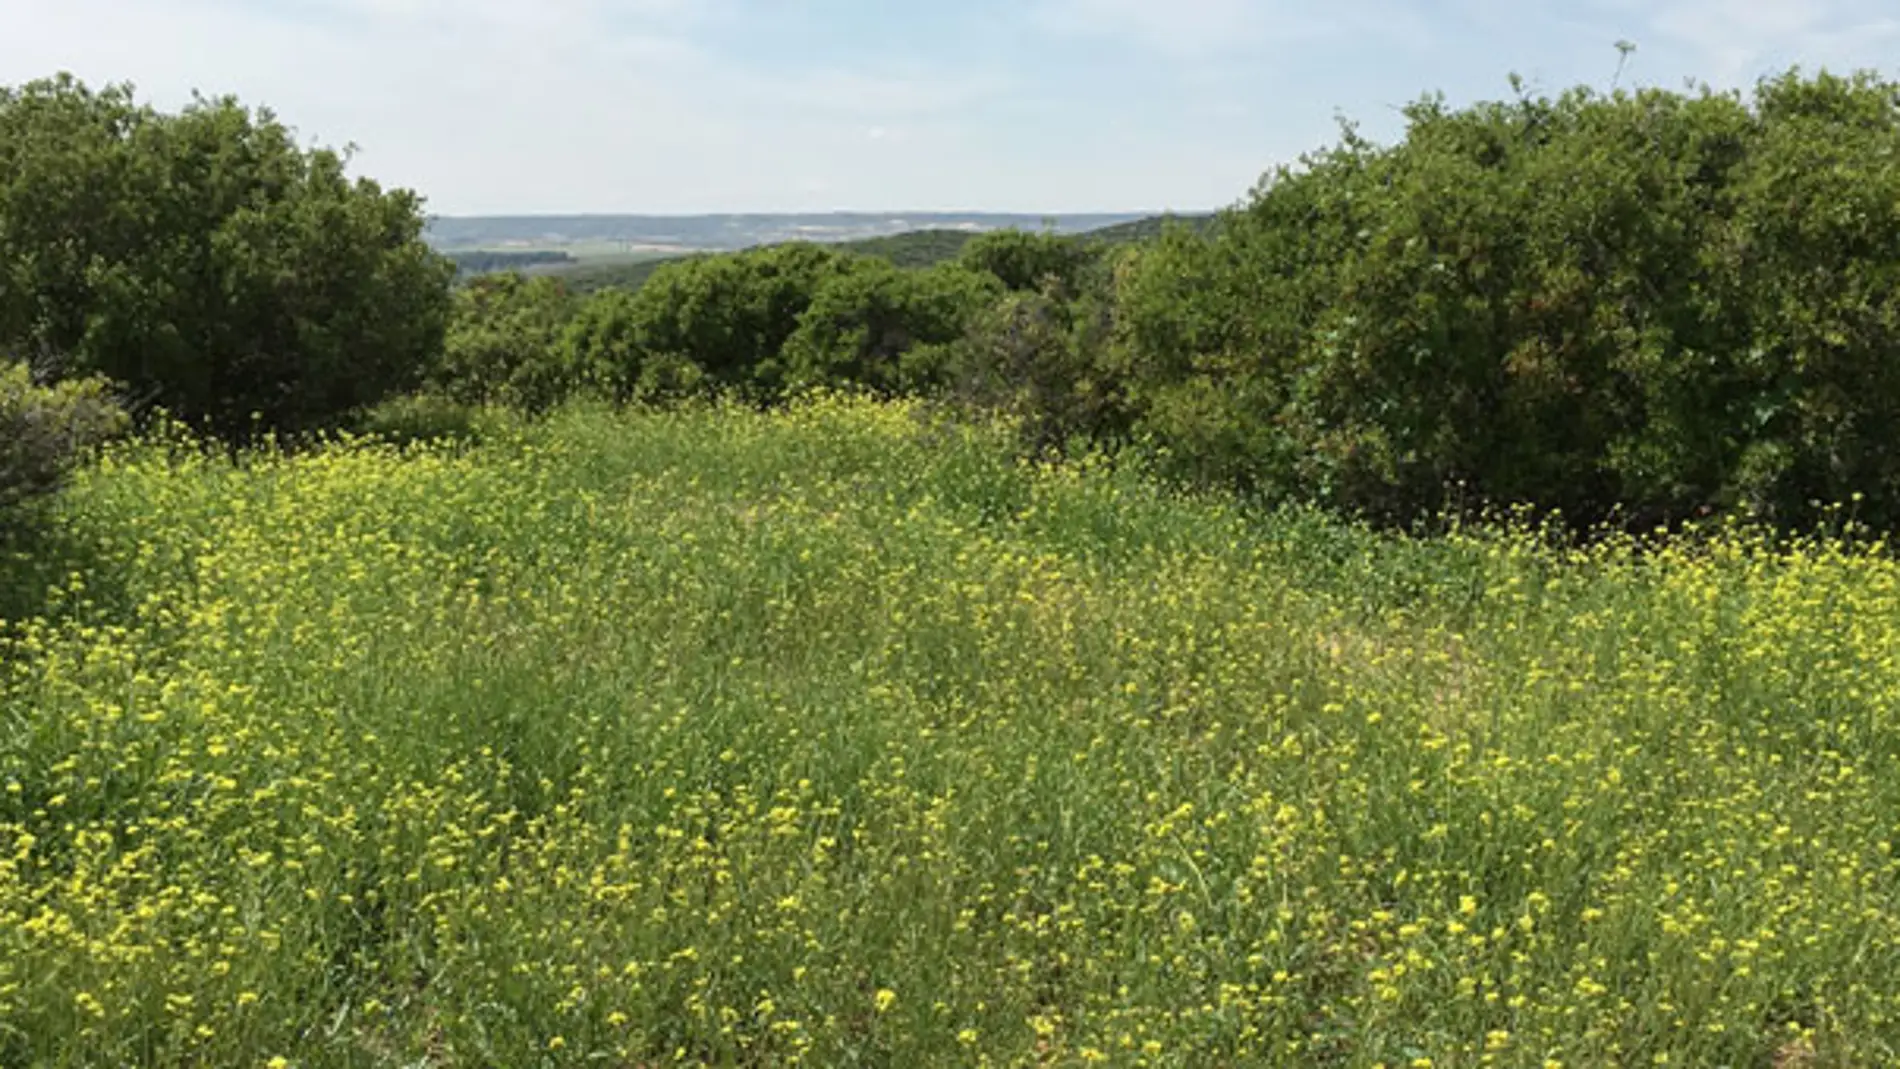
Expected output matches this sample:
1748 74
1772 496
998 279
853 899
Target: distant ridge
1151 227
910 248
724 232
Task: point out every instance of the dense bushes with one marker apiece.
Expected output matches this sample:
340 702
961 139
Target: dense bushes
206 261
1035 359
45 429
885 328
1636 306
1646 305
1026 262
1639 305
504 345
729 317
757 323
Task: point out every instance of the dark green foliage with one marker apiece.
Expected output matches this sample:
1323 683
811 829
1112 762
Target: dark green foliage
761 321
1644 305
1813 255
1149 229
45 429
584 279
730 316
426 416
603 338
918 248
1209 335
607 339
206 261
504 345
1025 262
880 326
1038 359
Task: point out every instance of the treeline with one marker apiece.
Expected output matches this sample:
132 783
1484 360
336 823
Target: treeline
1640 305
1636 306
489 261
201 263
759 324
916 248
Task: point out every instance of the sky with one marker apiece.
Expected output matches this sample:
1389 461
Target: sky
491 107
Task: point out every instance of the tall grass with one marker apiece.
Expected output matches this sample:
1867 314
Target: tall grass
833 737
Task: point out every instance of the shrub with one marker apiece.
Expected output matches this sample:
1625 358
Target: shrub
1641 305
1027 262
603 343
726 319
1038 359
207 261
426 416
880 326
505 345
1810 261
44 430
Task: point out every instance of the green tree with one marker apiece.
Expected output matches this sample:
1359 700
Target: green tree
505 345
1026 262
1640 305
602 341
1039 359
880 326
727 318
206 261
1812 254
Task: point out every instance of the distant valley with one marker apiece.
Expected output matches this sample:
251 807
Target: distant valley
636 234
620 251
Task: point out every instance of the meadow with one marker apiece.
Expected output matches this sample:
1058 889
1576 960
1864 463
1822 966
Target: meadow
839 736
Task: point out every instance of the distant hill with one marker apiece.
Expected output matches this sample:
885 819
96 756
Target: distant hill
1150 228
483 261
916 248
919 248
591 278
636 233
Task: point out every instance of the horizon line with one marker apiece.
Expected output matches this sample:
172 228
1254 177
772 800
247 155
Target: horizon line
826 211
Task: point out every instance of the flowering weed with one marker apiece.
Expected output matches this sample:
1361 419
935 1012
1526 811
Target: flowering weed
828 737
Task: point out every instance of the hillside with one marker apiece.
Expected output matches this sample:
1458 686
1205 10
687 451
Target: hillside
633 233
485 261
917 248
592 278
1150 228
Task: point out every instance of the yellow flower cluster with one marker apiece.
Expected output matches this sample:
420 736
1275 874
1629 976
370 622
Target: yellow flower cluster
835 736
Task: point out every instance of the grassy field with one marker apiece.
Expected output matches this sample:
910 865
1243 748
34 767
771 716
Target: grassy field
837 737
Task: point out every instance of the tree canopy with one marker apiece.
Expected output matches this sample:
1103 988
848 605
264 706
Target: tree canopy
205 261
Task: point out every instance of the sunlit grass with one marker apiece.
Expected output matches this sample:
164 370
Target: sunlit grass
835 737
